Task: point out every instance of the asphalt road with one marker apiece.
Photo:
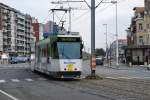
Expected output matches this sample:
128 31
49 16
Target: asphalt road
17 82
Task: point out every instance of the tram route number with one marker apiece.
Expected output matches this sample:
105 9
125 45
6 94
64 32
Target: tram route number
70 67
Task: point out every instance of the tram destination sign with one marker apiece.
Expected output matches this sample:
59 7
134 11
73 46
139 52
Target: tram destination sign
69 39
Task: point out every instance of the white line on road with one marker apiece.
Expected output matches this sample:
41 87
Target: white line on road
28 79
125 78
10 96
15 80
2 81
112 77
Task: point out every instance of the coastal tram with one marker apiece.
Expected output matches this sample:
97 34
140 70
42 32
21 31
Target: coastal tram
59 56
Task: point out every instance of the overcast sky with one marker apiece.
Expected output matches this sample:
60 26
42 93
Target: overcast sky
105 14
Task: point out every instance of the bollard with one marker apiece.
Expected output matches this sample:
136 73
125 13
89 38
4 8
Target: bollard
130 64
145 64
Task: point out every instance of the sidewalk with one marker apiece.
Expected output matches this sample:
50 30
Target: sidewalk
126 67
113 66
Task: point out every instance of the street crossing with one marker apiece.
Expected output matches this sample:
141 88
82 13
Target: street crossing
20 80
21 65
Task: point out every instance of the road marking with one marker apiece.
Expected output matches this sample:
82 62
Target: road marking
28 79
2 81
10 96
112 77
125 78
15 80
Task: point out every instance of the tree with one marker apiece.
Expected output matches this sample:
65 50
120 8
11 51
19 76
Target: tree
100 52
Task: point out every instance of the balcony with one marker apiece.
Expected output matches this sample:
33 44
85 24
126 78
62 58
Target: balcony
19 40
21 22
20 15
20 44
20 50
4 31
5 36
21 28
5 11
5 25
5 17
20 33
139 18
8 22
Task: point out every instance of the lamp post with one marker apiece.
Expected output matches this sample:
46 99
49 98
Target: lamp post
117 53
106 44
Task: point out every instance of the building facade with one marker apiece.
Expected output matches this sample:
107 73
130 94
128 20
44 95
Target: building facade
38 29
16 31
138 36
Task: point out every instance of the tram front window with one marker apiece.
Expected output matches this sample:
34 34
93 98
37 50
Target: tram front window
69 50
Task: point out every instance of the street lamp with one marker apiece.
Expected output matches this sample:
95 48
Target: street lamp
106 44
117 54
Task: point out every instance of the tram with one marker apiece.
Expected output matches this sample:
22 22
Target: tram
59 56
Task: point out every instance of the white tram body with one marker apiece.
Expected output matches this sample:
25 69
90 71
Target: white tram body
59 56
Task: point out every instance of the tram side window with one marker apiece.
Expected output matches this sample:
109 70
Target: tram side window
55 51
48 54
38 53
44 52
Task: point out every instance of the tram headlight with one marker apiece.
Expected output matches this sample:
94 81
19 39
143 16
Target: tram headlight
75 69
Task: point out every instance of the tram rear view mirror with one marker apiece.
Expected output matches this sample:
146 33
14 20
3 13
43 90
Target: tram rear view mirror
82 46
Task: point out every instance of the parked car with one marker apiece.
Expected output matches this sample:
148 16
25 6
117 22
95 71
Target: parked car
18 59
21 59
99 61
13 60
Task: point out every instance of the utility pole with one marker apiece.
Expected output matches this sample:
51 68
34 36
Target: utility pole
93 58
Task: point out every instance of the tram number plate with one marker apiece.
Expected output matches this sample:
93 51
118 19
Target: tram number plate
70 67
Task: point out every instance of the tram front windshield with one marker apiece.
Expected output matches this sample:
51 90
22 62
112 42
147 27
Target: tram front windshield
69 50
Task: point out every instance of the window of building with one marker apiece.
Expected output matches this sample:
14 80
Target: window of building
141 40
140 26
148 26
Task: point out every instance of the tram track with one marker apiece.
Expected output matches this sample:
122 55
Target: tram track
81 89
104 90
